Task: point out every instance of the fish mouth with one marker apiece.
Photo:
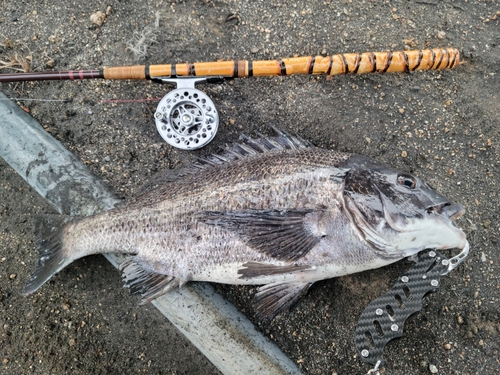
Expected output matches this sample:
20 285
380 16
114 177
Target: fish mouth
452 211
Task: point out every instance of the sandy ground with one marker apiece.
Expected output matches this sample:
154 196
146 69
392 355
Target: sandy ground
442 126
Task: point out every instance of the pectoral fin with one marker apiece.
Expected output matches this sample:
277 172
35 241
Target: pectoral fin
271 299
282 234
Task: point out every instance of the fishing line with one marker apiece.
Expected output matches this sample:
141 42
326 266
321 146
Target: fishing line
37 100
130 100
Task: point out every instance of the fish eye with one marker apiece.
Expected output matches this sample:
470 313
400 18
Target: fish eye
408 182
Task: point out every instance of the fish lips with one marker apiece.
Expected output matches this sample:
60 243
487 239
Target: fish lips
450 210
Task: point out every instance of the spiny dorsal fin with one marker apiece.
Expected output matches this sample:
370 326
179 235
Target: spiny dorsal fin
248 147
253 146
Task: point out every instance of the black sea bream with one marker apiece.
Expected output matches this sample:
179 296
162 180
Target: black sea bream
273 211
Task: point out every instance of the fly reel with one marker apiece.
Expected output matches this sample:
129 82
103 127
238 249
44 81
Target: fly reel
186 117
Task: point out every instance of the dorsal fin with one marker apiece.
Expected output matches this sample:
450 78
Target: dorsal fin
237 151
252 146
164 177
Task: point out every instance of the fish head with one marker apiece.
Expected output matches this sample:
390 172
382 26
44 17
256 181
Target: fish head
396 212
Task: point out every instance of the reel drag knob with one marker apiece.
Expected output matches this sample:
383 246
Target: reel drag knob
186 118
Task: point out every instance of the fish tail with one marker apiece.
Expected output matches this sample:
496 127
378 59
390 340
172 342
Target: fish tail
52 259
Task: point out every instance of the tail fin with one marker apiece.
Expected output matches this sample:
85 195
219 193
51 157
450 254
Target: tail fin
52 259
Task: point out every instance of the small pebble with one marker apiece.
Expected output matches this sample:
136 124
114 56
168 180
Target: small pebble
433 369
12 276
404 154
441 34
254 49
98 18
447 346
401 110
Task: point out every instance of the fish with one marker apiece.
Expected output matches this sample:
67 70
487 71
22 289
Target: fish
273 211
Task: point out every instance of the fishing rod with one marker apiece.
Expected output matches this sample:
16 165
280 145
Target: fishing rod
187 118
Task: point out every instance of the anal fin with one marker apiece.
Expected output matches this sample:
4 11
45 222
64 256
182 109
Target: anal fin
271 299
149 285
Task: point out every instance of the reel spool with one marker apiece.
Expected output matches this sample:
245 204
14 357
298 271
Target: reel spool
186 117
